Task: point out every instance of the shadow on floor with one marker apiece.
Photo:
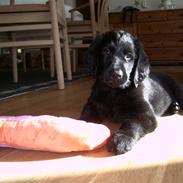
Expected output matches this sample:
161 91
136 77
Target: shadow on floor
31 80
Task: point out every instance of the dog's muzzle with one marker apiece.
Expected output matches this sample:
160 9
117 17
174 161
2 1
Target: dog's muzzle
114 78
117 75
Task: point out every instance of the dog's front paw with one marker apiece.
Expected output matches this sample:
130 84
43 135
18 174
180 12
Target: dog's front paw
120 143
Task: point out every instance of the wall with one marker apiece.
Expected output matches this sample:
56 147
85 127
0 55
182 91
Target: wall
70 2
114 4
152 4
4 2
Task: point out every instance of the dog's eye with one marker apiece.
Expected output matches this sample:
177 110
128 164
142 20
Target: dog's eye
128 57
107 51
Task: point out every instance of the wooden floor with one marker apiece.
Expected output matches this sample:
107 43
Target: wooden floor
157 158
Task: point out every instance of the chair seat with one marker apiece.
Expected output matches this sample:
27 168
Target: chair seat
82 36
79 26
20 44
81 33
81 45
78 22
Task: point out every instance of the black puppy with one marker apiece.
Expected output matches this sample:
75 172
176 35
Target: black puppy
125 91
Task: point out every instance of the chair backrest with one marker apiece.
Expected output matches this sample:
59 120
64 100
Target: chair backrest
99 15
102 12
61 13
20 14
95 13
25 20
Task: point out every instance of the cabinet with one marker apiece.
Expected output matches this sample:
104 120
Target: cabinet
161 33
116 21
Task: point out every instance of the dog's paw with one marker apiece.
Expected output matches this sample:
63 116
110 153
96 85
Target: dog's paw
120 143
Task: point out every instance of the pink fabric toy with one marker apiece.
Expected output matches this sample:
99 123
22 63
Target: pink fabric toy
50 133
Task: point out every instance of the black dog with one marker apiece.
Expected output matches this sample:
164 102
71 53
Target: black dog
125 91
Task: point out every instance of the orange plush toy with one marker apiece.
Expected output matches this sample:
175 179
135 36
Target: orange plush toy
50 133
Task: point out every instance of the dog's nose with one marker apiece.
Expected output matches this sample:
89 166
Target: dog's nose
118 74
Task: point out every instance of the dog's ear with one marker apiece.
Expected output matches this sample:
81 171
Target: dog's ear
91 56
142 66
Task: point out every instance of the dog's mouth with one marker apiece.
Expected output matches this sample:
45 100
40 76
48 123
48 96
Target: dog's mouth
113 83
120 83
115 79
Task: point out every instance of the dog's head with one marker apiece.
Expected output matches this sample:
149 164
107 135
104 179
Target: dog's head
117 59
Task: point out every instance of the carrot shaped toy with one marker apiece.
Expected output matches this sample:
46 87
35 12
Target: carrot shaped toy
51 133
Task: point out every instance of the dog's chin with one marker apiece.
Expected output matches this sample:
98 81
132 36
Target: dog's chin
117 84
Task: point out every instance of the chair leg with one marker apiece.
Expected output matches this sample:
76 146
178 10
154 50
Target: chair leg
57 47
14 60
74 59
64 60
52 65
42 60
14 64
67 55
23 58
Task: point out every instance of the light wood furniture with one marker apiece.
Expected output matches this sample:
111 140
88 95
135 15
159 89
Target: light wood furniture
157 158
82 32
64 37
161 33
64 43
22 20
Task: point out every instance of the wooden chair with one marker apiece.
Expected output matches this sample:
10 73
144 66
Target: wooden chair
64 45
86 30
22 21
